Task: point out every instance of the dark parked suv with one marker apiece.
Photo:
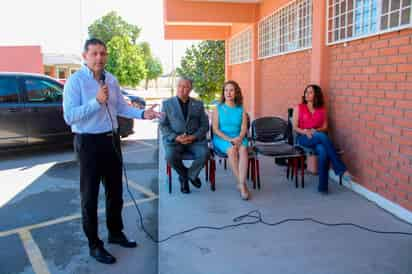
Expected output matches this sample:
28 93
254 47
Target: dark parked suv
31 111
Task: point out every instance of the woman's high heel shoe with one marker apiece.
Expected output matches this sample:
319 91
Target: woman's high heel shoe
244 192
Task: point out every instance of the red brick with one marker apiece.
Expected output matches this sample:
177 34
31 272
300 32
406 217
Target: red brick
405 49
408 114
378 60
363 61
369 85
367 116
385 102
407 133
386 120
359 108
368 101
405 67
407 86
374 125
354 100
392 130
371 53
399 41
394 94
406 150
406 104
408 95
393 112
380 44
386 85
360 92
399 59
396 76
399 176
402 141
361 77
378 77
403 122
388 51
375 109
376 93
354 85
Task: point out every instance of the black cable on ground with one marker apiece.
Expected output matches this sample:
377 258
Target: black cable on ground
255 216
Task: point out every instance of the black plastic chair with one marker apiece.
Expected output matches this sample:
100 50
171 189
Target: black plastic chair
270 138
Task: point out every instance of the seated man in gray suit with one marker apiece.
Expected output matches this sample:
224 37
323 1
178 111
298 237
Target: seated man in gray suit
184 126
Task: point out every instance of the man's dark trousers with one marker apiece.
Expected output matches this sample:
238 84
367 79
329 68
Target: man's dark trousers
100 162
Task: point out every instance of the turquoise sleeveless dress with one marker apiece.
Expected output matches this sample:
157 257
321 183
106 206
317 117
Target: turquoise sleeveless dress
230 123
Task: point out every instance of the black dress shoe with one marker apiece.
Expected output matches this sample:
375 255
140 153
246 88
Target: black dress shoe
121 240
101 255
184 185
196 182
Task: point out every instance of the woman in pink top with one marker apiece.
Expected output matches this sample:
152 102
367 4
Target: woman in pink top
311 123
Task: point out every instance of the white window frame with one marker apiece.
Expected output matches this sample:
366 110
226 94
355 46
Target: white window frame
278 22
240 47
378 22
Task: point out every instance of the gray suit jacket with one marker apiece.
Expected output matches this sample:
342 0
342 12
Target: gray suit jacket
174 124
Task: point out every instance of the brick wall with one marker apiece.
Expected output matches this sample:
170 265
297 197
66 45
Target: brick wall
370 106
241 74
282 81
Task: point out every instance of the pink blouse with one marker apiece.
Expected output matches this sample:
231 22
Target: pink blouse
309 120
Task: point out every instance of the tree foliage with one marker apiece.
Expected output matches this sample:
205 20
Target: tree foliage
204 63
126 61
153 65
111 25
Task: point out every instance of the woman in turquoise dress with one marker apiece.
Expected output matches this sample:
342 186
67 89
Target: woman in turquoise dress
229 133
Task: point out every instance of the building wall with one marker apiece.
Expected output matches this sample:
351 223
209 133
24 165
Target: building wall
282 81
370 104
241 74
21 59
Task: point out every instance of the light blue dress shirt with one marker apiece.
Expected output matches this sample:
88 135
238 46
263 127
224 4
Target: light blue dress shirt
84 113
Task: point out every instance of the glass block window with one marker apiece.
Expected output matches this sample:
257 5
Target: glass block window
241 47
349 19
288 29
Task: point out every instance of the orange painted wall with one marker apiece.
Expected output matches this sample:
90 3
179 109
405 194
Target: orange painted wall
21 59
282 81
370 99
241 74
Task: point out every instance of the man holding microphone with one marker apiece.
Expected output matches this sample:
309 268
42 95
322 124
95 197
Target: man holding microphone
91 102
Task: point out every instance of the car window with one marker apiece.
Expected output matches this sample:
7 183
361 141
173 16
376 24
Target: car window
42 91
8 90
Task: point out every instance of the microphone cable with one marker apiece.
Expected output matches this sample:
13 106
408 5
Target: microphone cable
253 217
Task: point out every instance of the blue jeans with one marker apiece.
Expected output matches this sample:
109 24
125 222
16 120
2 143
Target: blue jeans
321 143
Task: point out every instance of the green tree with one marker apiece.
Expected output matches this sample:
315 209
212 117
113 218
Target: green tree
154 69
153 65
125 61
205 65
111 25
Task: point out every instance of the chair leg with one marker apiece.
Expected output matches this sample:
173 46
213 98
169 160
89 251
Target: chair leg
207 170
295 161
225 164
287 169
302 166
340 179
258 173
249 163
253 174
169 174
212 175
292 164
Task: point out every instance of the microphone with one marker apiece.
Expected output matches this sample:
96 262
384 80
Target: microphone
103 80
